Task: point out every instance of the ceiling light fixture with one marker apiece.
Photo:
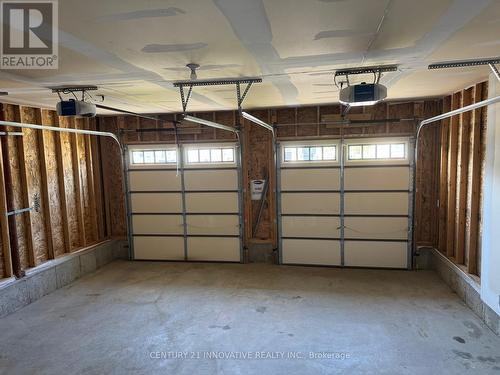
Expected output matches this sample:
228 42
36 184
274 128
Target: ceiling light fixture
193 67
209 123
257 121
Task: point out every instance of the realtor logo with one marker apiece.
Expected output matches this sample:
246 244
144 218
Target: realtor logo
29 34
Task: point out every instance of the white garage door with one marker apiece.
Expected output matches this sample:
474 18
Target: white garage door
345 203
185 204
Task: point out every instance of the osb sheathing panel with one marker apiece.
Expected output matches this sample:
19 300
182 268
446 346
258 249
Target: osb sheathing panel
85 192
112 171
206 133
324 129
69 184
32 159
307 115
166 136
286 118
484 121
258 156
427 177
39 154
130 136
98 188
51 119
11 113
228 119
148 124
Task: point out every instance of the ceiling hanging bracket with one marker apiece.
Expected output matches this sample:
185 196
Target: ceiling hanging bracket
249 81
185 98
72 90
240 97
375 70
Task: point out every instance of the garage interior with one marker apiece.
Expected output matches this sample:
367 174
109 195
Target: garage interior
254 186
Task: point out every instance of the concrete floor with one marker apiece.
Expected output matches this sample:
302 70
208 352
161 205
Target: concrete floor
126 316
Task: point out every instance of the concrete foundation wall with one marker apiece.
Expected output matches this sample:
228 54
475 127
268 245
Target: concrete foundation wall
466 286
55 274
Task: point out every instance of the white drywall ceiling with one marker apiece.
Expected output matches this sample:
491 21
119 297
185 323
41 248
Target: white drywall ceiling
134 50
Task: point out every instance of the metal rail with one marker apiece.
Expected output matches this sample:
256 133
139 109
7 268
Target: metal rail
421 125
61 130
84 132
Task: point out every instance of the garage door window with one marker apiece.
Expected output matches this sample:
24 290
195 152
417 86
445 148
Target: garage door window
383 151
153 157
212 155
310 153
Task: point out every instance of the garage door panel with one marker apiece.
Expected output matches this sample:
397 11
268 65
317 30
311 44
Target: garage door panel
376 228
310 226
164 180
310 203
159 248
157 224
211 179
310 179
377 178
314 252
212 202
156 202
376 254
376 203
213 224
222 249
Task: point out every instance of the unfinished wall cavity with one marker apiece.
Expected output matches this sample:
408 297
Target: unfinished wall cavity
462 140
58 170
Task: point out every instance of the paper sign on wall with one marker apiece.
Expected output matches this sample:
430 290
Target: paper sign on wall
257 187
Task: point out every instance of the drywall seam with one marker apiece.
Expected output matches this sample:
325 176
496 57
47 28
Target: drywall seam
250 24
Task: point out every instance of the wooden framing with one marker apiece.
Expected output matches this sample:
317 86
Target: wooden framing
59 168
62 191
45 188
460 180
452 176
105 185
98 191
91 187
78 184
474 185
443 179
462 170
25 193
4 227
